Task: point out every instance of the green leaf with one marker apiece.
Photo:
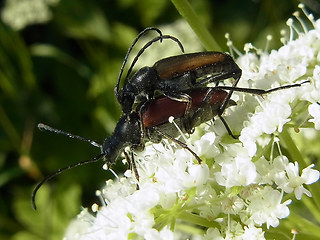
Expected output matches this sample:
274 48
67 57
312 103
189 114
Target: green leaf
53 215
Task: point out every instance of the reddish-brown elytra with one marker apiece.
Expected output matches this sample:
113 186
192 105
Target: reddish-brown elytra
173 76
199 64
159 110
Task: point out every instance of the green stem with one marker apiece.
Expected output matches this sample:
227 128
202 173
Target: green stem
197 220
9 128
187 12
295 154
305 225
313 205
310 204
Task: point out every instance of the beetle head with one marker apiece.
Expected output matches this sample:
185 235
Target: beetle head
127 133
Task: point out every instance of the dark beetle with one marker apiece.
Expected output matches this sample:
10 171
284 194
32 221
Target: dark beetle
134 129
173 76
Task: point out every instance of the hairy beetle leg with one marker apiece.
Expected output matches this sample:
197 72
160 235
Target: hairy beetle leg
132 166
183 145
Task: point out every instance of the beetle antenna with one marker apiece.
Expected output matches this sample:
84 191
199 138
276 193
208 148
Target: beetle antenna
44 127
116 89
47 178
148 44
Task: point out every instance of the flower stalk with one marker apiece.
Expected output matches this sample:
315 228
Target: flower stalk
187 12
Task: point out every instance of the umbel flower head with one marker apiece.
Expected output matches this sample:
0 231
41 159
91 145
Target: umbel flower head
243 187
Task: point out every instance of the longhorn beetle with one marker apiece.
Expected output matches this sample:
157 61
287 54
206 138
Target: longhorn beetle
134 129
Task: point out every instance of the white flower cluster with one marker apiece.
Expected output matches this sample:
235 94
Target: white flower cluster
21 13
240 185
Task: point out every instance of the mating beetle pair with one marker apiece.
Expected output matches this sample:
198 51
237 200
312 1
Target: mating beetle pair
182 82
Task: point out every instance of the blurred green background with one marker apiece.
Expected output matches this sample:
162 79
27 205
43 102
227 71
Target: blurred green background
59 62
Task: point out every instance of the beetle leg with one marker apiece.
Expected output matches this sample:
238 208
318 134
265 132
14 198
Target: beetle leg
227 126
183 145
185 98
225 104
235 74
204 104
226 100
181 97
141 111
190 121
132 165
